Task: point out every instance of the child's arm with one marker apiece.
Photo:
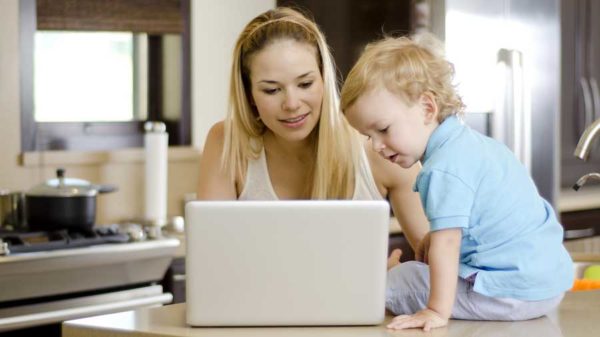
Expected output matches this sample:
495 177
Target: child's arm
443 269
443 261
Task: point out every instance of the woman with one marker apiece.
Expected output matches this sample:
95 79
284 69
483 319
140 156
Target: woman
284 137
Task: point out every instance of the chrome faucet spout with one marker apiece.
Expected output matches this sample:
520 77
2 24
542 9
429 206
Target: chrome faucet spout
584 145
584 179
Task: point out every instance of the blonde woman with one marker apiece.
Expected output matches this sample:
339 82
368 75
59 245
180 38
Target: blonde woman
284 137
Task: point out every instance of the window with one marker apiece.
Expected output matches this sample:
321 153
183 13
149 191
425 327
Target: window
93 71
65 60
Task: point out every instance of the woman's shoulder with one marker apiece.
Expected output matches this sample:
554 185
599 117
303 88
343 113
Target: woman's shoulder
213 144
217 131
215 138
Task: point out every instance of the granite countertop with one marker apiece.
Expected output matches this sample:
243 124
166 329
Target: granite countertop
577 316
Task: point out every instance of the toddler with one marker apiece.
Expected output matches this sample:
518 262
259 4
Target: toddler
494 251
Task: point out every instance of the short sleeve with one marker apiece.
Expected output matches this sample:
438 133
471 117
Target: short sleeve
446 199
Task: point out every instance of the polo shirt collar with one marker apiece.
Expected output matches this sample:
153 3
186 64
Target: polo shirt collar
441 134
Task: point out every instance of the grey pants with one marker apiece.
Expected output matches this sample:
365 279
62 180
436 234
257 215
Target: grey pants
408 292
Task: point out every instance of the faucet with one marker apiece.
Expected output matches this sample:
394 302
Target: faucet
581 181
582 151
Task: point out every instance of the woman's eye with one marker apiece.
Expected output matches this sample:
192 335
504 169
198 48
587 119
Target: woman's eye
305 85
270 91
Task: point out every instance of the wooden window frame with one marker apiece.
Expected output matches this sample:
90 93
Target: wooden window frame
82 136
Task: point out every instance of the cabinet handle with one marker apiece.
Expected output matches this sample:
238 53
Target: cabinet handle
579 233
178 277
512 117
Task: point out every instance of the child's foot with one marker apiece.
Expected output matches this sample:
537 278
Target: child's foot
394 258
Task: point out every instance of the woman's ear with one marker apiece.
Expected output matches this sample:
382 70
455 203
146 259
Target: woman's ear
430 107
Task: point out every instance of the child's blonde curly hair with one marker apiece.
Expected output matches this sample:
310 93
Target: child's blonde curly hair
408 67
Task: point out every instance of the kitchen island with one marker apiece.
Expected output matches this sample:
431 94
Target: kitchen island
577 316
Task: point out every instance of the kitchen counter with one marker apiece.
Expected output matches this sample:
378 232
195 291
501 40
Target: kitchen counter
577 316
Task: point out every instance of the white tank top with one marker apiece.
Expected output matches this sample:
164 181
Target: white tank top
258 183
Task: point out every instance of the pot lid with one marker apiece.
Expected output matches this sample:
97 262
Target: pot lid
64 187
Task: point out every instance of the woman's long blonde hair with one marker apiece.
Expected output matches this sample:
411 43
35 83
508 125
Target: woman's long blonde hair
337 144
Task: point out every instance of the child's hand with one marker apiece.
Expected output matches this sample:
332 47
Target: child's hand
394 258
426 318
421 254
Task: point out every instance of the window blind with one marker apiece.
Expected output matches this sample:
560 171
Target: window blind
139 16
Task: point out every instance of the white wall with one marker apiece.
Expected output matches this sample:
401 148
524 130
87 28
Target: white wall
216 25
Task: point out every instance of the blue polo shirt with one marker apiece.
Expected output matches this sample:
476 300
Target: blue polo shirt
511 237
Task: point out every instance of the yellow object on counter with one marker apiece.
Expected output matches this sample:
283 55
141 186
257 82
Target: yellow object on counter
592 273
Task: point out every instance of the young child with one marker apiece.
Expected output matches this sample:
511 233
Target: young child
494 250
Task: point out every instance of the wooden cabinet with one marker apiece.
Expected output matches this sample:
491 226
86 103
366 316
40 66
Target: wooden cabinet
580 101
581 224
174 280
349 25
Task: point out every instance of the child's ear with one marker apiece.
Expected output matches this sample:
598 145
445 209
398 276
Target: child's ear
430 107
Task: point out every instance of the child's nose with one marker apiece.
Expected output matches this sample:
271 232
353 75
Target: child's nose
378 145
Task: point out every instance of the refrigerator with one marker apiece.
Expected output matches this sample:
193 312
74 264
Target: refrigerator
507 60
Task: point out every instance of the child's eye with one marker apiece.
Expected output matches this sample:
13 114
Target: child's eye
270 91
384 130
305 85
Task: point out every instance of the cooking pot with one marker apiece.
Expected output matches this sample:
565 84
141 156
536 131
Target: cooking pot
63 203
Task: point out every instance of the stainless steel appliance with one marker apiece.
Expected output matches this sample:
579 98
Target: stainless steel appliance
49 277
507 59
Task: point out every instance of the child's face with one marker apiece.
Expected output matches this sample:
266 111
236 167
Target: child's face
287 88
398 131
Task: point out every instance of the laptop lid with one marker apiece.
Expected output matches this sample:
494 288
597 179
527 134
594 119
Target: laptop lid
286 262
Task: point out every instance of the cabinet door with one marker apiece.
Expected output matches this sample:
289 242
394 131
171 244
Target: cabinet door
593 56
580 75
349 25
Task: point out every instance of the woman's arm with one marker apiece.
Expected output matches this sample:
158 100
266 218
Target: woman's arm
214 183
396 183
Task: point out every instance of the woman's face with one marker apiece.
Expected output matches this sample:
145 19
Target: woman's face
287 88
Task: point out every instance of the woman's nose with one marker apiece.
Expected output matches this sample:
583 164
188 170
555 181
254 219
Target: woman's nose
291 101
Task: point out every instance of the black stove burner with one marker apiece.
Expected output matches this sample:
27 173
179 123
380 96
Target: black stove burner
26 242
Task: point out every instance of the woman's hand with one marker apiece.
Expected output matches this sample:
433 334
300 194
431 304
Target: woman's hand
394 258
426 319
422 251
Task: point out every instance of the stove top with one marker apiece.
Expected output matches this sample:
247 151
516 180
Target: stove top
25 242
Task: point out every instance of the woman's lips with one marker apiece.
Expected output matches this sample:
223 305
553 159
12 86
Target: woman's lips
294 122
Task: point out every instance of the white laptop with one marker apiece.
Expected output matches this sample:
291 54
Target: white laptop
286 263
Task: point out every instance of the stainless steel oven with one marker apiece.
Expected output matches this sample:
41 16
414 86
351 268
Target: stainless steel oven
46 278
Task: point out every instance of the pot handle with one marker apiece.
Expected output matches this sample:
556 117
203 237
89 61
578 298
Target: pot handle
106 188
